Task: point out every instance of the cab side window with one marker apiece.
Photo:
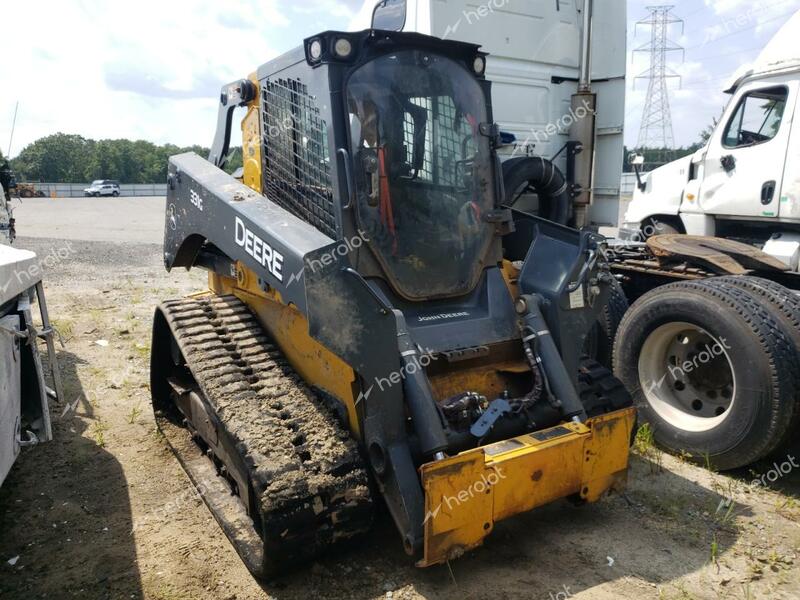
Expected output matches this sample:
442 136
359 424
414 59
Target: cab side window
757 118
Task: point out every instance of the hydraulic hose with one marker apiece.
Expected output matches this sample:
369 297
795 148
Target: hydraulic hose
555 373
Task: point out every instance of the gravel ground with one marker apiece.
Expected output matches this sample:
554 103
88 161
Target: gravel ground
123 219
104 511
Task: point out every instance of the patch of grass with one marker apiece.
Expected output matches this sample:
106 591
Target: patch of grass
708 464
158 435
64 327
98 433
142 350
682 593
165 592
789 509
724 514
714 554
95 371
134 414
644 446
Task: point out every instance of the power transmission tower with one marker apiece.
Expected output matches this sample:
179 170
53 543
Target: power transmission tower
656 128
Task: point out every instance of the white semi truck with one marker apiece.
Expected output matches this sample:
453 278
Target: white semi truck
710 347
745 183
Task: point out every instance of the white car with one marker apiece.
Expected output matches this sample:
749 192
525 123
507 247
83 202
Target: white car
102 187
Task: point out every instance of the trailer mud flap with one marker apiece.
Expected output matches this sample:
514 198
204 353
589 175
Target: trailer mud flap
467 494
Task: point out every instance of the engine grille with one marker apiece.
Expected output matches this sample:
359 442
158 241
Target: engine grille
297 173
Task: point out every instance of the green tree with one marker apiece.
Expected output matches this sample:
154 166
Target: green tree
706 134
63 158
55 158
655 157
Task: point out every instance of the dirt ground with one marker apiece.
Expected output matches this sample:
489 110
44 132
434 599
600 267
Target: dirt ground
105 511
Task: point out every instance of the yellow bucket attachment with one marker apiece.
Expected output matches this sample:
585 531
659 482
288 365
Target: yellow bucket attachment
466 494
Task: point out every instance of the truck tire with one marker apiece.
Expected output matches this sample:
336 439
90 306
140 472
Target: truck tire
711 369
785 307
661 226
599 343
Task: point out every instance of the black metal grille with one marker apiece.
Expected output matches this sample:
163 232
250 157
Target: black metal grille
297 173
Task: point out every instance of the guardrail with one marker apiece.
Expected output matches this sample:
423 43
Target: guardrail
75 190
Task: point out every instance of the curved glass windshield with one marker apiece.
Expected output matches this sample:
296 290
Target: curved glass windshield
423 171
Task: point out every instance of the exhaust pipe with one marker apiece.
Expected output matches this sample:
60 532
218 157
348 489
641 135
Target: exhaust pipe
582 131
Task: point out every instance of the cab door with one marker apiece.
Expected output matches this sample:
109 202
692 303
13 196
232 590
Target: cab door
744 165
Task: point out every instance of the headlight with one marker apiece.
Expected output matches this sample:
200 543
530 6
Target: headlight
479 66
343 47
315 50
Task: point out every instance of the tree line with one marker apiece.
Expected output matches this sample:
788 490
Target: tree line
70 158
655 157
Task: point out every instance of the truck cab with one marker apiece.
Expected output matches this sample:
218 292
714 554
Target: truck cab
745 183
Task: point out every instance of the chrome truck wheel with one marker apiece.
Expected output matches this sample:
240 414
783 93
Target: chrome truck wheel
713 368
687 376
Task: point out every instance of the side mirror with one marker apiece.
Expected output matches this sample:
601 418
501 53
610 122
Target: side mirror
389 15
636 161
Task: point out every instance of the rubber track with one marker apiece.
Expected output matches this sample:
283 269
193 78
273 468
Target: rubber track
610 318
600 391
304 466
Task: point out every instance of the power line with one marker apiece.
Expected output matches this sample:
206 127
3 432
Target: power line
742 30
739 14
13 126
655 130
702 8
706 80
731 53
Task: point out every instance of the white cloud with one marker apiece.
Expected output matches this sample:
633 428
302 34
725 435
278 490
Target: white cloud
148 69
152 69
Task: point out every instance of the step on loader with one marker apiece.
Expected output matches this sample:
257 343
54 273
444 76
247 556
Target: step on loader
377 324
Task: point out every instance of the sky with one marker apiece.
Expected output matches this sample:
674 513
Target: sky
153 69
719 37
